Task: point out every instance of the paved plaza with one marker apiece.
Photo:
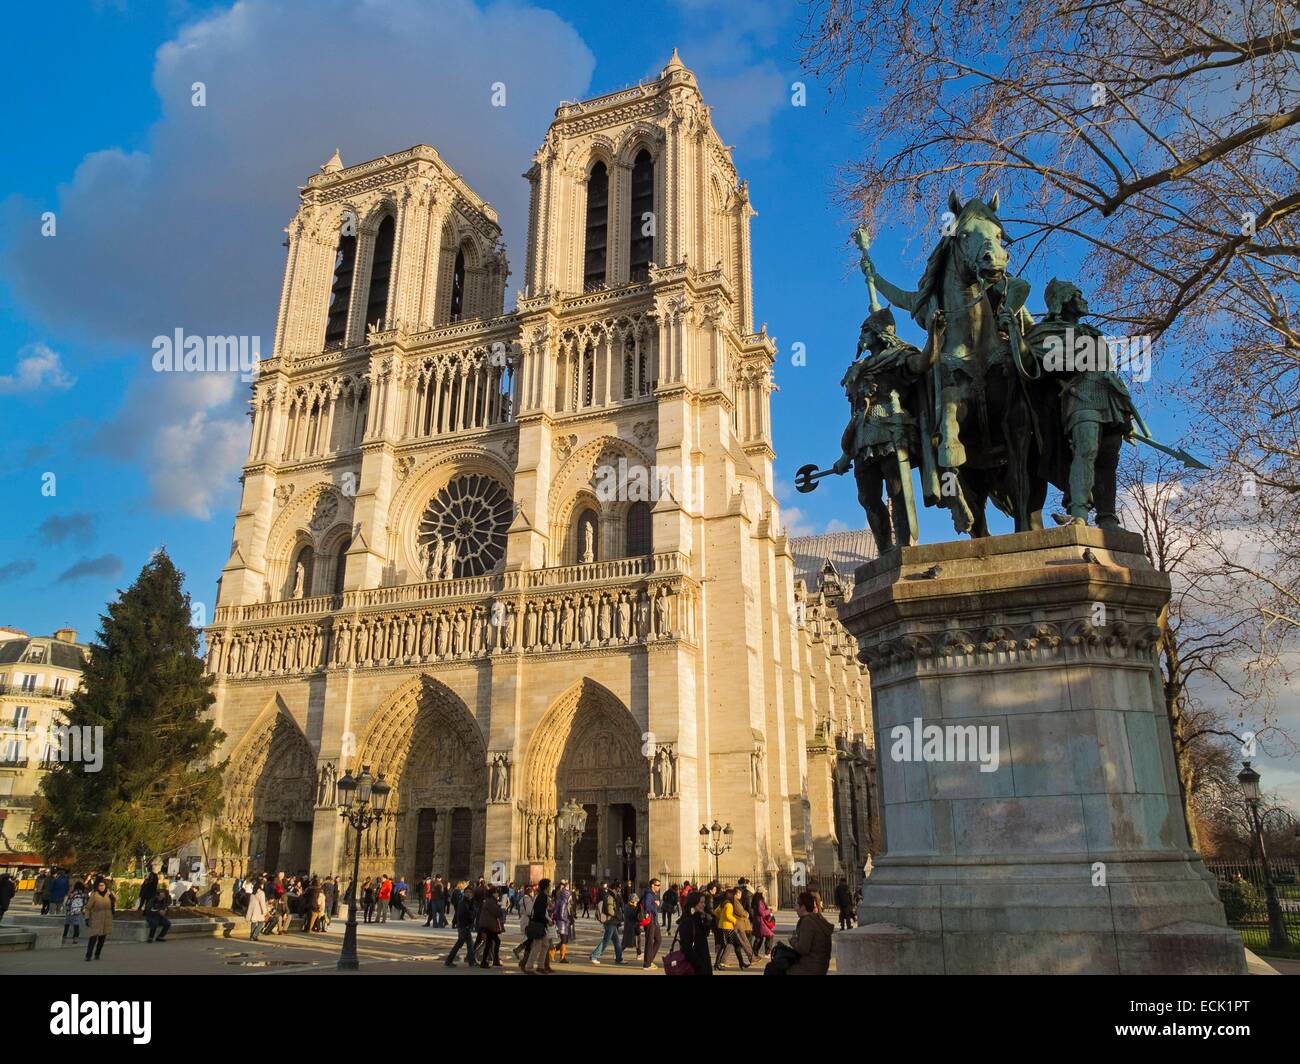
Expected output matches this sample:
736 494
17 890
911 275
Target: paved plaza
399 947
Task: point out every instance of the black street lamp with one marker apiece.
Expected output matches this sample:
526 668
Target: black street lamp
629 851
361 802
717 841
1277 936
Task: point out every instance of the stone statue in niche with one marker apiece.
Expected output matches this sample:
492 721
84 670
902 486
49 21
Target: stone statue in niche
449 560
299 580
663 772
588 542
433 556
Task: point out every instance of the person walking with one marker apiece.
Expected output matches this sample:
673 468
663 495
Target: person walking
811 938
611 925
524 910
99 918
74 906
725 914
437 903
385 898
44 885
400 891
368 898
539 949
564 919
844 902
156 916
650 918
256 910
693 932
669 906
632 923
764 922
466 923
490 926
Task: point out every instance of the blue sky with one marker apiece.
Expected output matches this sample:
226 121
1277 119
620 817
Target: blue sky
169 216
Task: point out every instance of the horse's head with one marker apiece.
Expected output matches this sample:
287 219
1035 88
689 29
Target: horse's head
978 236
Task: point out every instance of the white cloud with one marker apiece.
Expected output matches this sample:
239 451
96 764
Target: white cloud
186 233
39 368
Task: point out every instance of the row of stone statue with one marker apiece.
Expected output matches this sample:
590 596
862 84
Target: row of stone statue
565 622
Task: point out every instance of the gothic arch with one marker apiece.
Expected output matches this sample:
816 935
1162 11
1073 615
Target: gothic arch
587 747
575 476
432 753
308 518
270 784
636 137
585 709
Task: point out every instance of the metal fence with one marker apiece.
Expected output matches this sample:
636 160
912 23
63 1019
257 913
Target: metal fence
1241 889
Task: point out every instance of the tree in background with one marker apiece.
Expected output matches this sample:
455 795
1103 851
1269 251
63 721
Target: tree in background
1222 655
144 685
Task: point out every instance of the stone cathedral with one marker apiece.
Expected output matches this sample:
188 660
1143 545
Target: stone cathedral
513 559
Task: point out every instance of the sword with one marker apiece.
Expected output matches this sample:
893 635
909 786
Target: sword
1188 461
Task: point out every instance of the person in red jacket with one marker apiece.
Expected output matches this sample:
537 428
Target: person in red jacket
385 897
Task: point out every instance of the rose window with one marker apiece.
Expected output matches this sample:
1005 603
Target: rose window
469 519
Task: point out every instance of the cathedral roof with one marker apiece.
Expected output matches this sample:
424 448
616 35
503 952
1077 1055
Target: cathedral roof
844 550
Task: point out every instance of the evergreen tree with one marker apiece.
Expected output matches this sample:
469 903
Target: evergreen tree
145 686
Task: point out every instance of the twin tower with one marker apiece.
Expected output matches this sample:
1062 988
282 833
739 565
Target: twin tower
432 576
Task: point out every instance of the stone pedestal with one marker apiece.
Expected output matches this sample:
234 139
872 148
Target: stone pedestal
1034 825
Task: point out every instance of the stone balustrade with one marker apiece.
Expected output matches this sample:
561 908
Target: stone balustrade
611 604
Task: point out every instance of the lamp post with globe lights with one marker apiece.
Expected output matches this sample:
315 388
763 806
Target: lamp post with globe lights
716 842
361 802
572 821
1249 780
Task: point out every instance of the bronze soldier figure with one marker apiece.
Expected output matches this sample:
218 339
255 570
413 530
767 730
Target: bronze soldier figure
881 435
1097 412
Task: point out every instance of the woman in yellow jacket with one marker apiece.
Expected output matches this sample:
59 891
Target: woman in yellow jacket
726 915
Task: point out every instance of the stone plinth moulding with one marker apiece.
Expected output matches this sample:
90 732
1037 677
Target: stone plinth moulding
1030 804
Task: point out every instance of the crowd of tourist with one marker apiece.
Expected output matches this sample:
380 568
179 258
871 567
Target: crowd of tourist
712 925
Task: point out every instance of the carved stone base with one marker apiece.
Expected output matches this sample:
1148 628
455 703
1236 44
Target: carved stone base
1054 840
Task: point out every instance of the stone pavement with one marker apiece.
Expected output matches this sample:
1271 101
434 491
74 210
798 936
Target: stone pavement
403 947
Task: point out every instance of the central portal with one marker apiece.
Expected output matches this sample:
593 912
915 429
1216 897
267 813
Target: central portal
587 749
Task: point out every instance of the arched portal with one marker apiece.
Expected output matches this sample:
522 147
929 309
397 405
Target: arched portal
266 824
587 748
431 752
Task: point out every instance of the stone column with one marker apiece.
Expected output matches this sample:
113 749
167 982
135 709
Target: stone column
1054 842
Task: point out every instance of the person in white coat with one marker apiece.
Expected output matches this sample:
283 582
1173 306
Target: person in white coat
256 910
525 909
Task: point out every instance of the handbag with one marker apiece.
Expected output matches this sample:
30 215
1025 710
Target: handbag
675 962
534 931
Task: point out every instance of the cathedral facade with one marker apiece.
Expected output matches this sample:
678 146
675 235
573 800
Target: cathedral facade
517 559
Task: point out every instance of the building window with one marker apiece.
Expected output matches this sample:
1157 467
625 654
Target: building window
29 682
593 265
60 684
345 261
639 530
381 268
458 286
340 567
20 717
643 220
